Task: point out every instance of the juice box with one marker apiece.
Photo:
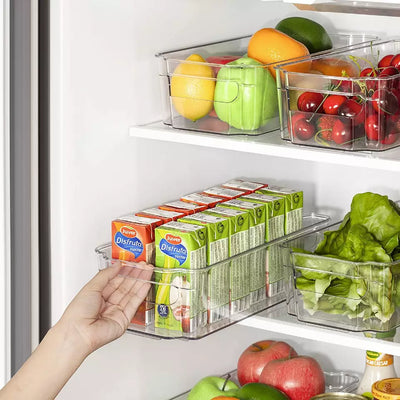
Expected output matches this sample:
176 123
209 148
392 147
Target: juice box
202 199
245 186
223 192
274 213
217 251
274 228
239 267
181 284
257 258
133 240
293 206
182 206
164 215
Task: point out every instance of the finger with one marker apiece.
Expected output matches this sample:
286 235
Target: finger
103 277
124 287
139 290
142 269
131 302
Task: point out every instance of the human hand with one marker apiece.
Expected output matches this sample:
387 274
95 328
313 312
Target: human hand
103 309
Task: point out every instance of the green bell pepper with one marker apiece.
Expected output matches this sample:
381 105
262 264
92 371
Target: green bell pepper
245 94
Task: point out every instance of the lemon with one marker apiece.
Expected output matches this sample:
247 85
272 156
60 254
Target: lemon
192 88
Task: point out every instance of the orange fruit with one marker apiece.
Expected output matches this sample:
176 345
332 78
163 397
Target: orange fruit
335 67
270 46
192 88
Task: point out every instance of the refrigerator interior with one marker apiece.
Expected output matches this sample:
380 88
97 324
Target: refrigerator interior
104 86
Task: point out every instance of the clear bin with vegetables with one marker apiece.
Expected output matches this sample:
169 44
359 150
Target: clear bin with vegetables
216 88
350 100
348 274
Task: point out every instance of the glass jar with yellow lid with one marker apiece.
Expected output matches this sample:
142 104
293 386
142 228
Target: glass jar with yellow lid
386 389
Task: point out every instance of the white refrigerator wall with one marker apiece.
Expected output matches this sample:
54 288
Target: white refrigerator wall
104 79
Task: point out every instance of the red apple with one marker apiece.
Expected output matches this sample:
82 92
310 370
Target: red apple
253 359
299 377
220 60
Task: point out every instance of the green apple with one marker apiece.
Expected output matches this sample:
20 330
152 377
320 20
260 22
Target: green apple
259 391
212 386
245 94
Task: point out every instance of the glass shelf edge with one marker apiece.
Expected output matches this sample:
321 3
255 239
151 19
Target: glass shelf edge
289 325
269 144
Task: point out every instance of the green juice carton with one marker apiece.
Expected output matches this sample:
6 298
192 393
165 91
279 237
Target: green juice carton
275 228
274 213
256 212
218 272
293 206
239 282
180 294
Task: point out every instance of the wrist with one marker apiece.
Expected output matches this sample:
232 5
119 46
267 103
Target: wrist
70 340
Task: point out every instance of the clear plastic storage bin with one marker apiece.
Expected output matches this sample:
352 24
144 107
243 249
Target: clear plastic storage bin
334 382
228 113
355 296
205 305
359 110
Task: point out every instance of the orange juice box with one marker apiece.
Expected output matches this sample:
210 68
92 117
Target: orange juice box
133 241
202 199
164 215
239 267
223 192
218 273
181 277
257 257
245 186
182 206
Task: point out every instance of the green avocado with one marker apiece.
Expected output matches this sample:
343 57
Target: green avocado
310 33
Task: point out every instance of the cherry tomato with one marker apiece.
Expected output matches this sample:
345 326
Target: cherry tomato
303 129
341 132
332 103
309 101
350 108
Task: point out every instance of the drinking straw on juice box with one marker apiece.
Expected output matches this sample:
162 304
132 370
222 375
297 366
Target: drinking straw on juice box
274 229
239 267
202 199
133 240
181 294
217 251
164 215
246 186
293 206
222 192
182 206
257 258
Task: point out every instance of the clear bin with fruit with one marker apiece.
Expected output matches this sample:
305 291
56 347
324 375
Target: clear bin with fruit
195 303
203 91
330 291
335 381
350 100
